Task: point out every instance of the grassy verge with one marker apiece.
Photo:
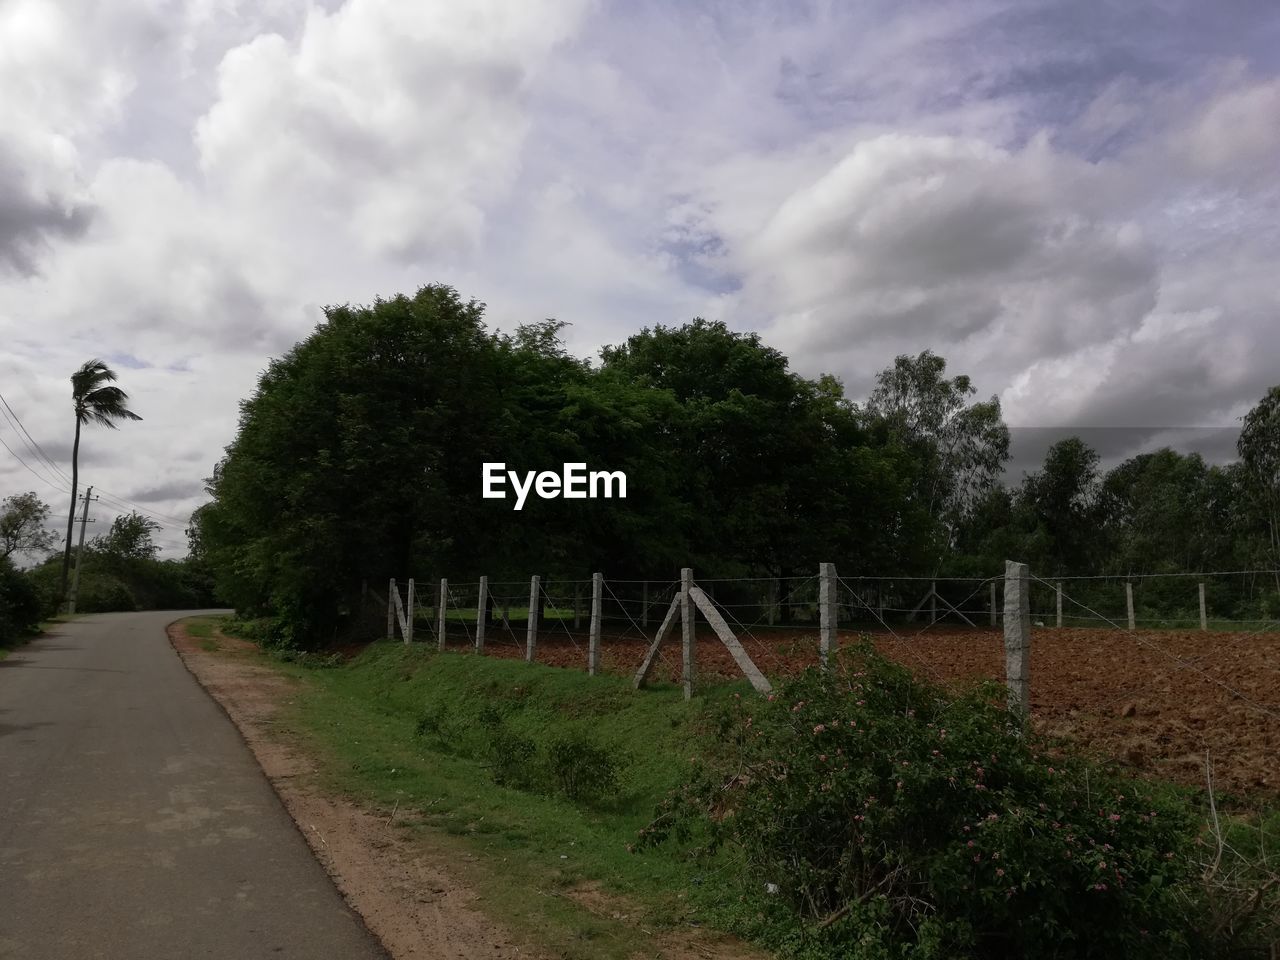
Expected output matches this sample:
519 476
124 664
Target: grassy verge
534 781
462 747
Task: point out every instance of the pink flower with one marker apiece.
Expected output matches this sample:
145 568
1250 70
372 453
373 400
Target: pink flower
819 728
1000 872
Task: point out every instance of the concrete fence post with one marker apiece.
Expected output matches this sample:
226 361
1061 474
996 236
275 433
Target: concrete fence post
441 608
391 608
686 631
1058 598
482 614
1017 635
597 615
827 612
771 601
1204 610
409 613
531 637
1128 603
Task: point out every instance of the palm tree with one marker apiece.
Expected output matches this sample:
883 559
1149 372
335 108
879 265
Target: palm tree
97 402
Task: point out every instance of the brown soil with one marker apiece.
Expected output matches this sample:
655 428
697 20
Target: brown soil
401 887
1156 701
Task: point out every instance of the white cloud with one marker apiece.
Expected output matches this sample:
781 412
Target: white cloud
1083 217
399 124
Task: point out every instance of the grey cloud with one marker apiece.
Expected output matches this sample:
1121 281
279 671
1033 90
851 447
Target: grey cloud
165 492
30 222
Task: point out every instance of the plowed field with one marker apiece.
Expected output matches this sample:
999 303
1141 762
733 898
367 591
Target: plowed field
1157 701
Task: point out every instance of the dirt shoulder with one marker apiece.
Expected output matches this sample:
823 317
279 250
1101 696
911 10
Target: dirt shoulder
408 900
412 897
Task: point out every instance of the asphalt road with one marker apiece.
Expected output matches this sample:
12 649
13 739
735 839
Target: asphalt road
135 823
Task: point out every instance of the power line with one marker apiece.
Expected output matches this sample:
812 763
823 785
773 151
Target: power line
30 441
123 503
45 460
41 477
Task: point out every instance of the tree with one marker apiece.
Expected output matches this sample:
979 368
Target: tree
128 539
358 458
1062 503
94 401
961 448
1259 449
22 528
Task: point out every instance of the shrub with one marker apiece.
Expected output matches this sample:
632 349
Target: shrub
19 604
514 760
895 821
583 771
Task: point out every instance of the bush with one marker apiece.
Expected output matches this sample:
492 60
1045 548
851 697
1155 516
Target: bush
97 591
515 759
20 604
893 821
581 770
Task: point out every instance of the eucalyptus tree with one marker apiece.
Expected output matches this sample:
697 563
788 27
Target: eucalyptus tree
1259 449
960 447
95 400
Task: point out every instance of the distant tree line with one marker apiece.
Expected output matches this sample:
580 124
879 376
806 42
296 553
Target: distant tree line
119 570
358 458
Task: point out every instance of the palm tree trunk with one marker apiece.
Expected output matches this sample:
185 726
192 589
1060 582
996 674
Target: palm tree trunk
71 514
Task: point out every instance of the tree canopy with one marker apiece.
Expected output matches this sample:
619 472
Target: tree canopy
359 458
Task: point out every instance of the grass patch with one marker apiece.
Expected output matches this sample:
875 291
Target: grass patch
200 627
545 774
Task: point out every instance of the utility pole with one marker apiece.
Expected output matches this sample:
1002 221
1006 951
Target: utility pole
84 523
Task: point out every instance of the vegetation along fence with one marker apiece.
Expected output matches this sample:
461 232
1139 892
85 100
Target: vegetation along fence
739 611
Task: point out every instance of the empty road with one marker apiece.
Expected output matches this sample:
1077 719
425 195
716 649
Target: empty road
135 823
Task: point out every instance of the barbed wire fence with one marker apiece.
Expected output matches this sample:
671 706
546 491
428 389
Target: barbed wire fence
1179 643
775 619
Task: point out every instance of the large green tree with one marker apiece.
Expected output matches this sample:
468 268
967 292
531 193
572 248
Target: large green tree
959 447
1061 511
22 525
1259 449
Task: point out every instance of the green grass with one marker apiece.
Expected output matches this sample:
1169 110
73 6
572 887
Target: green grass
201 627
401 728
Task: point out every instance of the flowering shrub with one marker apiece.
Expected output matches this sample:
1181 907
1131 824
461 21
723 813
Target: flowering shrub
891 820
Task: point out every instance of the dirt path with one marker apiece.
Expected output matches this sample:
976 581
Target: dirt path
407 896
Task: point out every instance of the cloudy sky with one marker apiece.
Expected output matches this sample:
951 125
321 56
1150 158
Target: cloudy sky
1077 203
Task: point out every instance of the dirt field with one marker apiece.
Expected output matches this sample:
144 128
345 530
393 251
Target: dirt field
1155 700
